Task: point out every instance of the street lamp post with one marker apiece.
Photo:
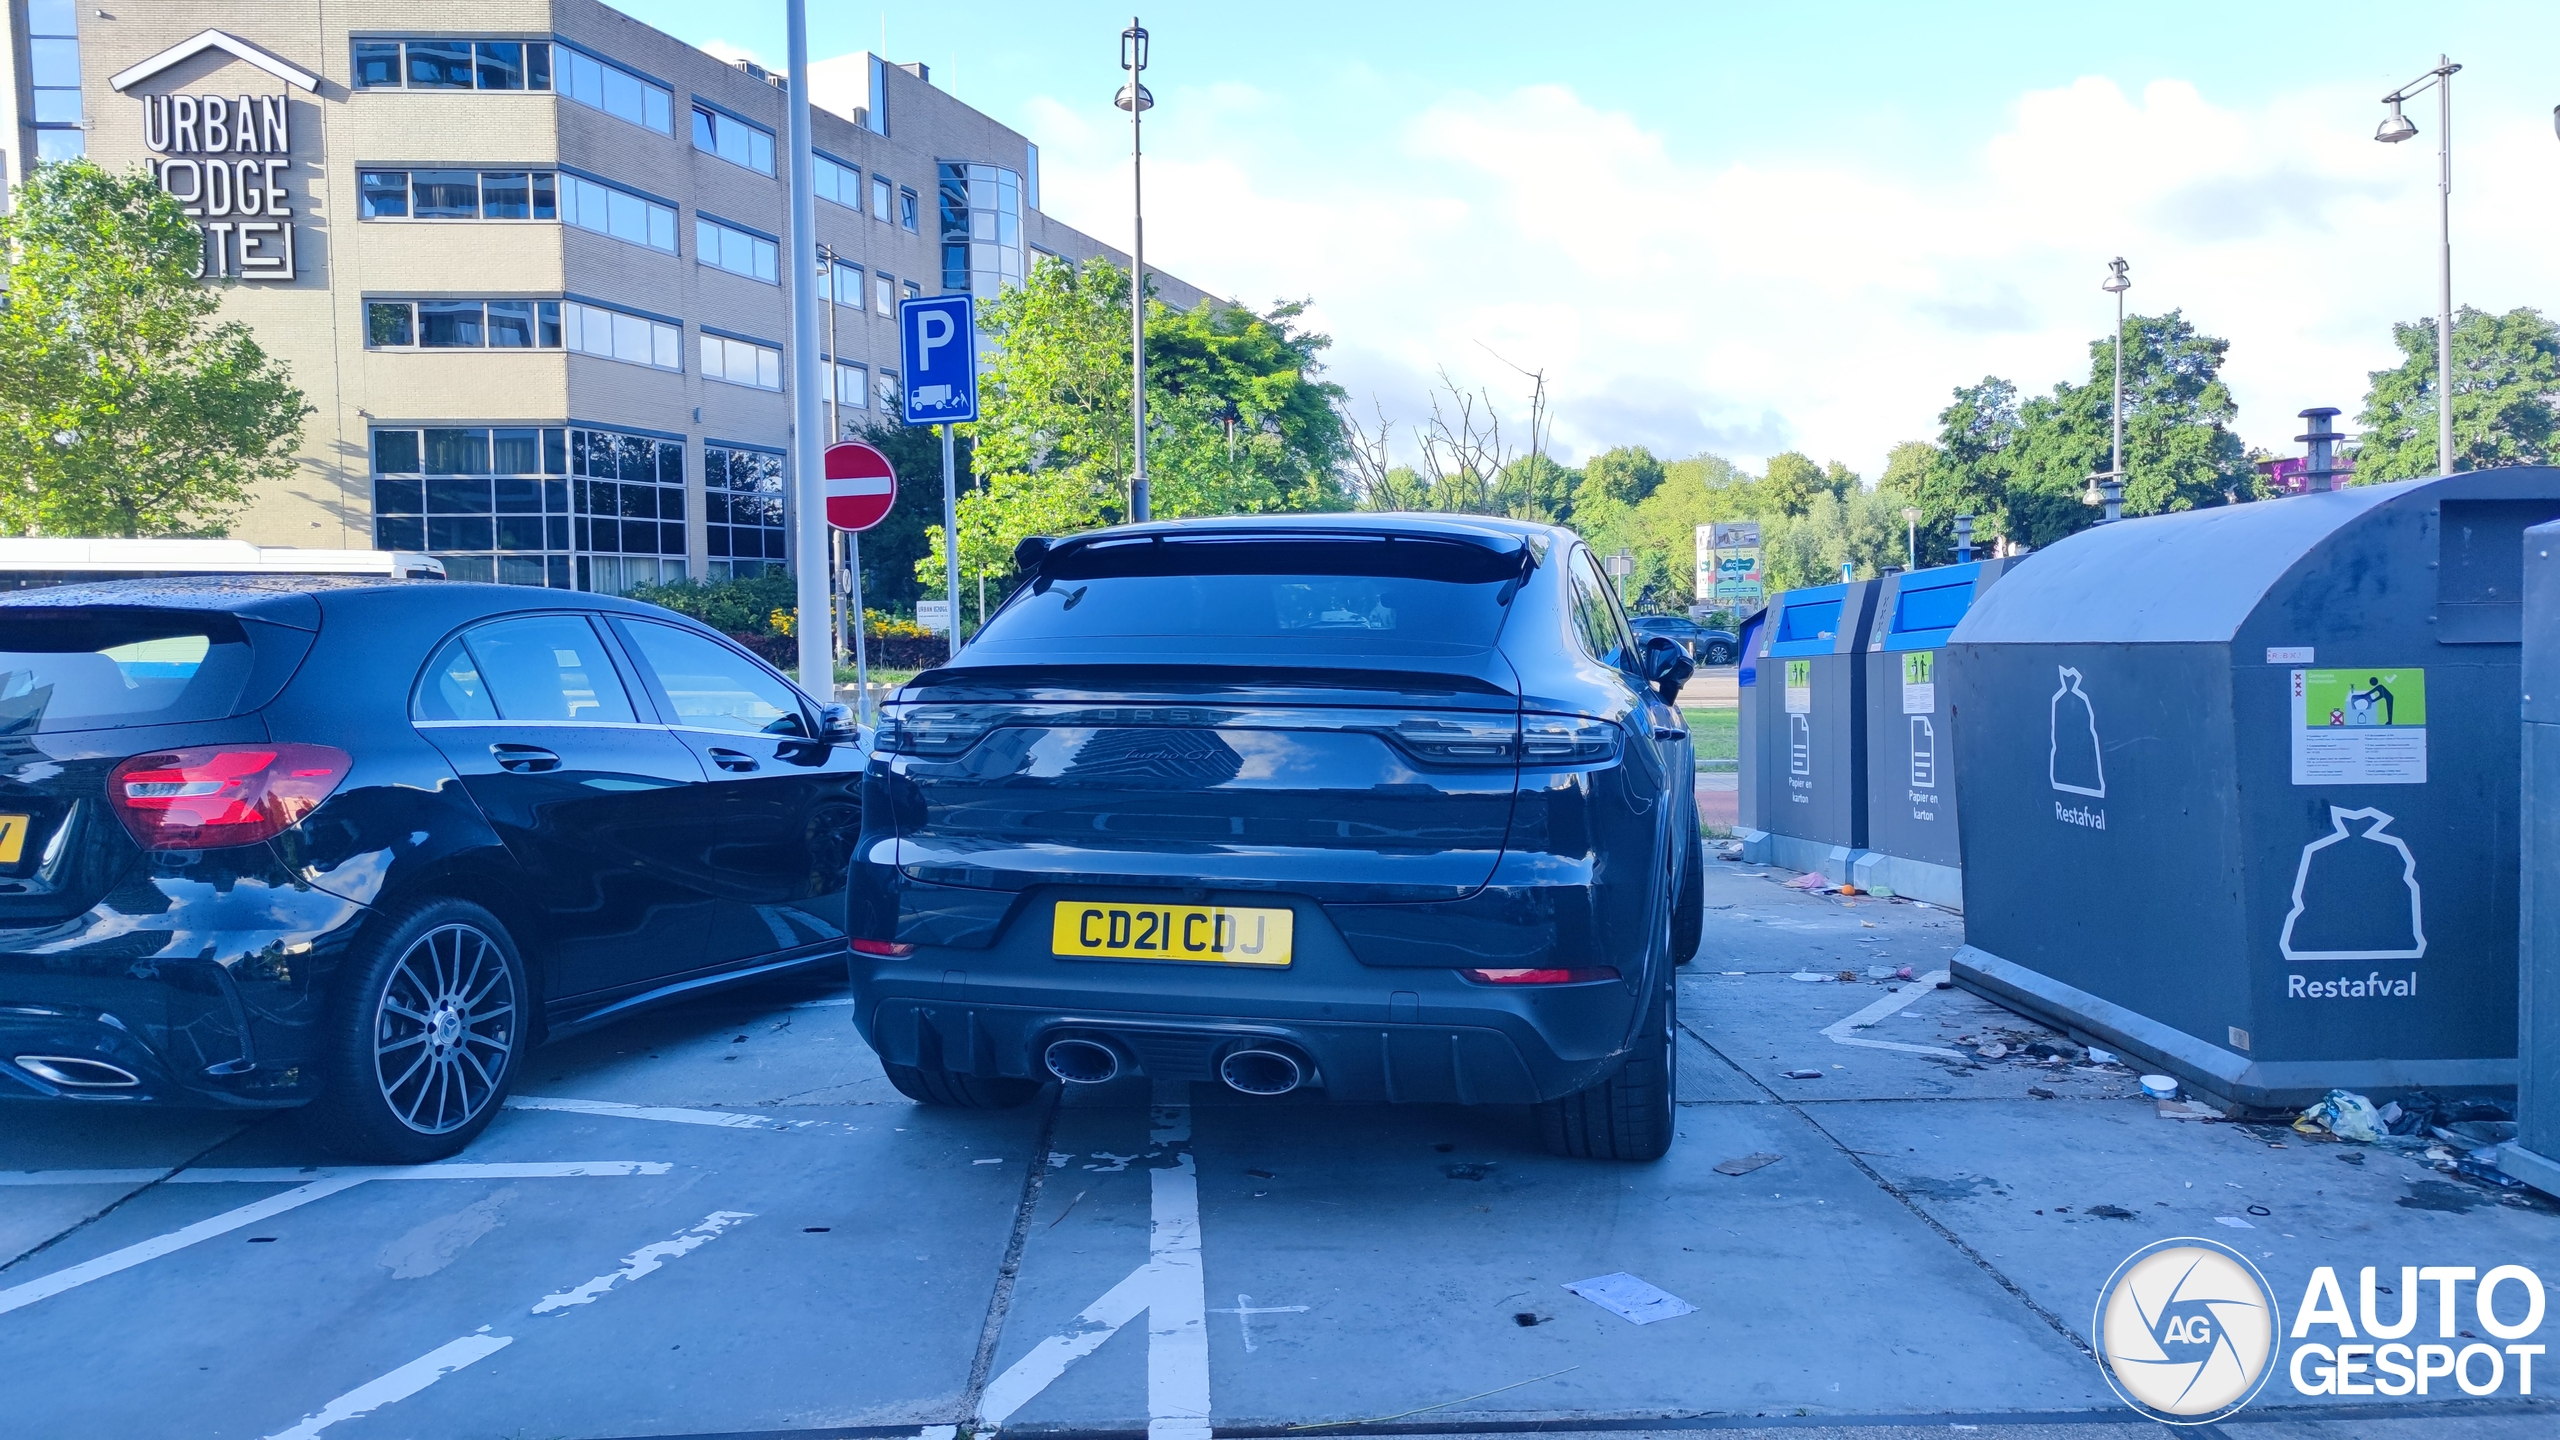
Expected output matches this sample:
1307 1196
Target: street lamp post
1911 522
2107 487
808 510
2395 128
1134 98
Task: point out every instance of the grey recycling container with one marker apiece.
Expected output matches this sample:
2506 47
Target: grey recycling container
1746 720
1810 689
1911 794
2239 787
2534 1155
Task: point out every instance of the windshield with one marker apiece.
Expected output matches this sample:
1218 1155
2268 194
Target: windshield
78 671
1320 592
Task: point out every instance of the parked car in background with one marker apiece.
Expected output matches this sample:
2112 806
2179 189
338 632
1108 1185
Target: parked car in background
272 841
29 562
1391 807
1707 647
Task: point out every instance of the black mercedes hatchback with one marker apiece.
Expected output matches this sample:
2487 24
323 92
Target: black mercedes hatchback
269 841
1393 807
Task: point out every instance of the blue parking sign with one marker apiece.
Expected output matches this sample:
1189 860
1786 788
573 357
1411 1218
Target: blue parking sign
938 342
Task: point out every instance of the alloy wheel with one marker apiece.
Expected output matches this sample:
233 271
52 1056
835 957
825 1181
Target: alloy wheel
445 1029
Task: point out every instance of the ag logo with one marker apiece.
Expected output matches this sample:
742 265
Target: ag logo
2186 1331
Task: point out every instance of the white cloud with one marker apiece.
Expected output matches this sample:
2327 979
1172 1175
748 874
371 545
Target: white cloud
1754 305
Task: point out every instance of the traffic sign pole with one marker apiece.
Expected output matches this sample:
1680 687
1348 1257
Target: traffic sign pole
951 539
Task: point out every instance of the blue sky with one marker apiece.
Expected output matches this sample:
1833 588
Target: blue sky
1755 227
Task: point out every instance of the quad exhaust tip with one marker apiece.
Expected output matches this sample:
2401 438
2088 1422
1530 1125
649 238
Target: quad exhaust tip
1081 1062
1261 1072
74 1072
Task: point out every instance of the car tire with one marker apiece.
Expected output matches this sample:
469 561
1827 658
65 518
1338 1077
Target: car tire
958 1091
1719 653
427 1030
1629 1115
1689 903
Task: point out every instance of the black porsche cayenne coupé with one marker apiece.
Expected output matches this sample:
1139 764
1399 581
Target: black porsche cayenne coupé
1390 806
273 841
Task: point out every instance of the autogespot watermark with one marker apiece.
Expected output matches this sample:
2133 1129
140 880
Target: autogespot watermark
2189 1331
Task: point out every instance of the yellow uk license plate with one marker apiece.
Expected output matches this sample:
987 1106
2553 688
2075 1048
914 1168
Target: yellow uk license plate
13 838
1211 934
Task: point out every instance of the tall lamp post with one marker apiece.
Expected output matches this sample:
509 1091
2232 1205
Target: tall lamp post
2108 487
810 545
2395 128
1911 540
1134 98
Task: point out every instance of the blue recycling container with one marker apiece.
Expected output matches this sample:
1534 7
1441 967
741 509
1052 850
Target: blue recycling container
2239 787
1809 768
1912 847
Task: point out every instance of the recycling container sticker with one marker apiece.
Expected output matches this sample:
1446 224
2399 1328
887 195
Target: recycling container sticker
1799 687
1919 682
2366 726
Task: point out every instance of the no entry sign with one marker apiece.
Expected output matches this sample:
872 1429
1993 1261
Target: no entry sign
860 486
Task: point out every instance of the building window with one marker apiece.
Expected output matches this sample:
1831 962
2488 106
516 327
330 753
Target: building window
452 65
603 85
907 210
629 492
716 132
743 513
853 386
492 503
884 293
913 289
594 205
462 324
884 388
847 285
53 46
726 247
457 195
741 362
880 199
838 181
620 335
981 228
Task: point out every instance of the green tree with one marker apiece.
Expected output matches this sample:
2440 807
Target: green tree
1791 483
125 407
1627 474
2179 449
1537 487
2506 380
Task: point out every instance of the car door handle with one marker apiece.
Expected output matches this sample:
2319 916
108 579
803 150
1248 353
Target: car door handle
524 759
737 761
1665 732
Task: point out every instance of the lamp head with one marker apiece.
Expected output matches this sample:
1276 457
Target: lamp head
1144 98
1911 514
1133 46
2395 126
2116 282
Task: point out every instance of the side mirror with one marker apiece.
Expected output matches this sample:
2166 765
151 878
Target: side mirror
1667 666
836 725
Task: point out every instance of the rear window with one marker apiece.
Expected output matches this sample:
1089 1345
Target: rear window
1370 590
89 670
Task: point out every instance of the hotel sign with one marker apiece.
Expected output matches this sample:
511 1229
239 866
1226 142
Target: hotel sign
226 158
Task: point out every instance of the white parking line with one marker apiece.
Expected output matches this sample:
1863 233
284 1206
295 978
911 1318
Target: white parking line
316 1184
285 1175
400 1384
642 1261
1168 1288
436 1364
1838 1030
724 1119
19 1296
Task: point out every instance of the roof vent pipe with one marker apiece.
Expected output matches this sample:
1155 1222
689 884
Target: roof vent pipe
2321 466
